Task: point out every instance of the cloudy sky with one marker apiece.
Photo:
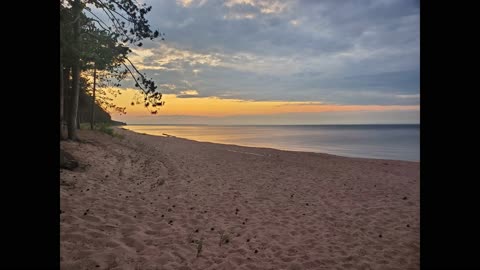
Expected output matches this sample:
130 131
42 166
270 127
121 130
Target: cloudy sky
282 62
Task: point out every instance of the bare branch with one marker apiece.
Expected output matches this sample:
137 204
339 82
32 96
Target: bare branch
99 21
113 19
134 67
133 76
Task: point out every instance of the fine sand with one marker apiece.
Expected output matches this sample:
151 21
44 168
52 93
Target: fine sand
147 202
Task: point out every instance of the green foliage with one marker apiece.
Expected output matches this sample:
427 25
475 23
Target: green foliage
84 126
105 128
103 43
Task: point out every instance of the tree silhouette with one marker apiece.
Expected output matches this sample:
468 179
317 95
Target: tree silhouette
90 42
102 53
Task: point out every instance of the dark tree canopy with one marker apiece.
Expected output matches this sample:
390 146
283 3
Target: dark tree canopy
103 44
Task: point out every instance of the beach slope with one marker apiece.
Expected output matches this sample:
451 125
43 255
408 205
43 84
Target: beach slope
149 202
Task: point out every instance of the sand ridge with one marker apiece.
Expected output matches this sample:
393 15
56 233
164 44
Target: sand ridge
149 202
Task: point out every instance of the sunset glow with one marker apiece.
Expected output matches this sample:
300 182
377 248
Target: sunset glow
215 106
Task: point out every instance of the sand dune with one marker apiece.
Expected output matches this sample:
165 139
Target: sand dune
146 202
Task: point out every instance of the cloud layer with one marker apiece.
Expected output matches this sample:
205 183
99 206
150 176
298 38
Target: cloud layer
334 52
348 52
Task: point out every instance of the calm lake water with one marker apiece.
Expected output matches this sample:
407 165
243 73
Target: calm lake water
397 142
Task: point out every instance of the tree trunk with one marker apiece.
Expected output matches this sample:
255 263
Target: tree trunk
67 96
92 120
72 123
61 101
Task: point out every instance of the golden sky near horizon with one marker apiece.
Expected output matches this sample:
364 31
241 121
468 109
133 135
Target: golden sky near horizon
215 106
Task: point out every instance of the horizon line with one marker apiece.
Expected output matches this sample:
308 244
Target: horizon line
365 124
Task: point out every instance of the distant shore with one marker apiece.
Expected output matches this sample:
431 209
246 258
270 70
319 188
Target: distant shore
142 201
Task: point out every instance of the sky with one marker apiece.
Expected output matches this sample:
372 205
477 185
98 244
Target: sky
281 62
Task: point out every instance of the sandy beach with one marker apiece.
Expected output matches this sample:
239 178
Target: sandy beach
149 202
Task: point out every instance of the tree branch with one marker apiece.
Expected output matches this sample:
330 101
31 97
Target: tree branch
99 21
114 11
126 58
133 76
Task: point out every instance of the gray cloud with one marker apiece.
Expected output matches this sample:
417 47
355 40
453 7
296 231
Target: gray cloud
339 52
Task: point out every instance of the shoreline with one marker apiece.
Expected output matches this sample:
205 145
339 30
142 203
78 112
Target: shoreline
148 202
268 148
